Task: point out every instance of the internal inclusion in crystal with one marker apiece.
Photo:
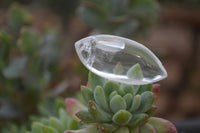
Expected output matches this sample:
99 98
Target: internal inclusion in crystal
120 59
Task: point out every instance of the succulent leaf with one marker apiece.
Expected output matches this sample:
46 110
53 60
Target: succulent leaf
147 128
143 88
73 106
37 127
110 87
147 100
117 103
48 129
97 113
128 98
114 93
100 98
85 116
135 72
129 89
87 94
122 117
138 119
118 69
95 80
162 125
55 123
136 103
107 127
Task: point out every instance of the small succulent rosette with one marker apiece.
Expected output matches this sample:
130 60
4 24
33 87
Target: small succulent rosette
117 108
120 96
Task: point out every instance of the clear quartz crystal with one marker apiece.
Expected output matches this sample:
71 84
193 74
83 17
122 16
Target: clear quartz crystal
120 59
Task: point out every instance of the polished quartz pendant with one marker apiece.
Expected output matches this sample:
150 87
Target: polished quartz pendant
120 59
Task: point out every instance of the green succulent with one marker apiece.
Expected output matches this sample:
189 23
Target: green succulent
117 108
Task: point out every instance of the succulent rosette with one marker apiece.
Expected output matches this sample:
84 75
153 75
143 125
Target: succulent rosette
117 108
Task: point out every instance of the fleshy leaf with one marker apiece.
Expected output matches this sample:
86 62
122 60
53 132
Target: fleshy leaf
135 72
138 119
95 80
128 98
118 69
87 93
162 125
37 127
147 128
147 100
48 129
122 117
105 127
73 106
97 113
136 103
85 116
117 103
100 98
110 87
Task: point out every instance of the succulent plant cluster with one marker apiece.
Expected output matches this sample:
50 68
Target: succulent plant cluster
117 108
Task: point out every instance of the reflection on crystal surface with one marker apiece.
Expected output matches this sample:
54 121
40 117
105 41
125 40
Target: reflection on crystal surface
120 59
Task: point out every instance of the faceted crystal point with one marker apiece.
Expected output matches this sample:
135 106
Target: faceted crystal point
120 59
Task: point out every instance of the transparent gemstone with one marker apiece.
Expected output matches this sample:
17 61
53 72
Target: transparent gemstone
120 59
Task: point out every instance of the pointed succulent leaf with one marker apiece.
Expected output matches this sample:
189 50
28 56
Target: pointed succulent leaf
73 106
85 116
122 130
128 98
118 69
129 89
91 129
138 119
48 129
107 128
95 80
55 123
135 72
100 98
147 128
122 117
87 94
162 125
97 113
110 87
135 103
114 93
117 103
37 127
147 100
143 88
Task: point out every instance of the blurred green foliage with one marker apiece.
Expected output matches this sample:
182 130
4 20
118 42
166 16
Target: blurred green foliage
119 17
29 61
52 117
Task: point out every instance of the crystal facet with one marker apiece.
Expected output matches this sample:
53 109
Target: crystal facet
120 59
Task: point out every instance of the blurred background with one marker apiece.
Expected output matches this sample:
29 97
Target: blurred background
39 66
